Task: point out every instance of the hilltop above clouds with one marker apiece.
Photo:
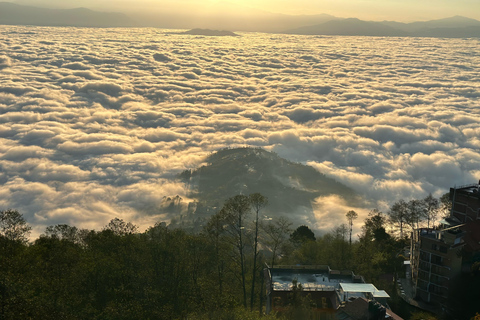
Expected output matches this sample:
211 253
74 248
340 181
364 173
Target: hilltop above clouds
294 190
207 32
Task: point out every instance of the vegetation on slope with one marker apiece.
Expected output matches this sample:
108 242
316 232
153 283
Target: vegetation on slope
290 187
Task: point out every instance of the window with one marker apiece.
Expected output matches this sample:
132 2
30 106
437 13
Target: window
424 256
437 259
424 265
423 275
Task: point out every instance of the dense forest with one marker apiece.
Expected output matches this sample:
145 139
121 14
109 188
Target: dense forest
168 273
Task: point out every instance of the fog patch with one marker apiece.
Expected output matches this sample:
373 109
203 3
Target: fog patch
330 212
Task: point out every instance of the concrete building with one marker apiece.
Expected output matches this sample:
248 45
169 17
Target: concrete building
329 291
466 203
466 213
435 261
439 255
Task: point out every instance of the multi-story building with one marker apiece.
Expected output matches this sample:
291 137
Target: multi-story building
466 203
466 209
435 260
437 255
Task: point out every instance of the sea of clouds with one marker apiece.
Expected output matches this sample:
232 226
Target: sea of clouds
94 123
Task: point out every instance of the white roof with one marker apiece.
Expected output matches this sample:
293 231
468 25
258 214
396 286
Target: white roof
362 288
381 294
358 287
443 221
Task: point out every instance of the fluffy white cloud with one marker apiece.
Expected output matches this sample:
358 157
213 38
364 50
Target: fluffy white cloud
94 124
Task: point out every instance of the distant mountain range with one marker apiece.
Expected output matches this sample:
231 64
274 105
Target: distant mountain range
349 27
14 14
291 188
454 27
226 17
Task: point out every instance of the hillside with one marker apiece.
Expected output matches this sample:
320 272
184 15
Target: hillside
290 187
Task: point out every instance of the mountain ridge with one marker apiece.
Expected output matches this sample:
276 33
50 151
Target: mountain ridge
15 14
349 27
249 20
452 27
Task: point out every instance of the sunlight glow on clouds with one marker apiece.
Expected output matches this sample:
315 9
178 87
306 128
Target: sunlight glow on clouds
95 122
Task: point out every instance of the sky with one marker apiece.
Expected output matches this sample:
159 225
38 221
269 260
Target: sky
94 123
398 10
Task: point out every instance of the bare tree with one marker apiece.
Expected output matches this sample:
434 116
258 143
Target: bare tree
214 230
351 215
398 214
432 206
234 212
257 202
340 244
415 213
277 233
445 205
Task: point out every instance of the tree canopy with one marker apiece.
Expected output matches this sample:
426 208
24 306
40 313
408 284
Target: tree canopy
13 226
170 273
302 234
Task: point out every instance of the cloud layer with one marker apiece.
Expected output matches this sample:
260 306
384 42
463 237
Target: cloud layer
95 122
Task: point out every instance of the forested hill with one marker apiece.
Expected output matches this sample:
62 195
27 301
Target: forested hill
290 187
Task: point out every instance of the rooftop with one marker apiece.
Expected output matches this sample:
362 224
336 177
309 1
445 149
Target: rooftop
451 234
322 278
473 187
317 281
341 286
361 288
312 278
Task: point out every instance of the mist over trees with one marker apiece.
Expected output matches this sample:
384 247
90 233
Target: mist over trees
170 273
